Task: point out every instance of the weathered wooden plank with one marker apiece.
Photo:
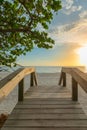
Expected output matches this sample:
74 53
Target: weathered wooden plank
25 106
9 77
61 78
48 116
47 113
50 128
67 92
67 69
44 103
47 95
81 78
47 110
46 123
11 84
74 90
48 91
78 75
64 78
48 88
32 79
4 81
21 90
35 79
48 101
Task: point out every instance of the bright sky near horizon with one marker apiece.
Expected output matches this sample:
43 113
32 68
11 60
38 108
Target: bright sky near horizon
69 30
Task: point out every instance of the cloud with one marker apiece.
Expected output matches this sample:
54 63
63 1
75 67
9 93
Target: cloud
83 14
69 7
67 4
72 9
74 33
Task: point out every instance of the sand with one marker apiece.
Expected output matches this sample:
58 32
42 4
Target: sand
44 79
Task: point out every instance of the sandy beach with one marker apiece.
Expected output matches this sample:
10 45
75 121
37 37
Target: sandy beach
44 79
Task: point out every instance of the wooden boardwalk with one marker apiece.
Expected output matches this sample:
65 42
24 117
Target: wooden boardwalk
47 108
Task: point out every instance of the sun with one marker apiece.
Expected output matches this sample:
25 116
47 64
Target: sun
83 55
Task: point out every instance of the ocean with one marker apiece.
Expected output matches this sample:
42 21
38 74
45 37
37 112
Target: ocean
39 69
47 69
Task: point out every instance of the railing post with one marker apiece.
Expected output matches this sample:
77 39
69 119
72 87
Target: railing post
35 78
61 77
32 79
64 79
74 90
21 90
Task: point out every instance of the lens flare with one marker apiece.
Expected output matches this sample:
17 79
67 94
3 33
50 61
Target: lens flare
83 55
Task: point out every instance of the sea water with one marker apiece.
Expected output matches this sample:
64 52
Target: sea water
47 69
39 69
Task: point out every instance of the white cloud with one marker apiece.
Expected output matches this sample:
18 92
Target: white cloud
74 33
67 4
70 7
83 14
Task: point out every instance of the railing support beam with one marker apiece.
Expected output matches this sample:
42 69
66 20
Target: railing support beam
21 90
74 90
61 77
64 79
33 79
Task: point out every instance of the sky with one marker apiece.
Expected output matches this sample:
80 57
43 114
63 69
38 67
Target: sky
69 30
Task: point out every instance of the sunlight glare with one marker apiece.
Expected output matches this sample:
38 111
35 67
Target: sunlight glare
83 55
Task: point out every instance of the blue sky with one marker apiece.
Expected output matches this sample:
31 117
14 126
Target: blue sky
69 30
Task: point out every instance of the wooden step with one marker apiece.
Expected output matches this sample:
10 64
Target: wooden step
47 110
50 128
49 113
70 106
47 92
25 116
48 101
46 123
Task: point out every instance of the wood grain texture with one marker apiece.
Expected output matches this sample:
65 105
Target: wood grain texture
47 108
47 113
78 75
50 128
21 90
74 90
46 123
10 82
59 116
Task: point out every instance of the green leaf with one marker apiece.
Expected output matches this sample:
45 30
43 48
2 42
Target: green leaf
21 19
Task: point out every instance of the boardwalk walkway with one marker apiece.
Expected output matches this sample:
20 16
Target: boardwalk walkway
47 108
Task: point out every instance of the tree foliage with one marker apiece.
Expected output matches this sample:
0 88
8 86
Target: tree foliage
20 23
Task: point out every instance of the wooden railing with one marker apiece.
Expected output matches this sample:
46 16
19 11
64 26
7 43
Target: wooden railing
78 77
17 78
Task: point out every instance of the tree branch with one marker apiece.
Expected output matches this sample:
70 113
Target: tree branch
23 3
15 30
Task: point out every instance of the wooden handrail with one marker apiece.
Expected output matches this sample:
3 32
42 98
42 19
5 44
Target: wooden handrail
11 81
78 77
